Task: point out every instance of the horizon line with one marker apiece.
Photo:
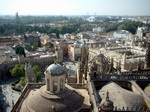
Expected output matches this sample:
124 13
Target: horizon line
68 15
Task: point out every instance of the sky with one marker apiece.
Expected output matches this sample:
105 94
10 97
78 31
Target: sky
75 7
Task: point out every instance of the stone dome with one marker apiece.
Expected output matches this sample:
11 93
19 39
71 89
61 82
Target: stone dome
122 97
55 70
147 90
106 104
41 101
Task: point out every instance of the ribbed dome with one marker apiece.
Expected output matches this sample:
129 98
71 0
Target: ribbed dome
55 70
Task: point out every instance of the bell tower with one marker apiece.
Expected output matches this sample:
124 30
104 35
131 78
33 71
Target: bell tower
29 73
58 52
17 19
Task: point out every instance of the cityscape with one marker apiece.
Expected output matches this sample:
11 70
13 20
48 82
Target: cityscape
74 56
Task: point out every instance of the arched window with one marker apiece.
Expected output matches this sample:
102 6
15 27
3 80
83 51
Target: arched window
54 86
61 84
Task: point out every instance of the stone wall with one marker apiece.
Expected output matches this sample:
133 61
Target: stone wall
127 65
41 62
92 92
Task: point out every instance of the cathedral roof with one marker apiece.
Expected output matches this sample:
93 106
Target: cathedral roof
147 90
41 101
122 97
55 70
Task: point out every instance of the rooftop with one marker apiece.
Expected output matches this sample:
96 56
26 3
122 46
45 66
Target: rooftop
34 98
122 97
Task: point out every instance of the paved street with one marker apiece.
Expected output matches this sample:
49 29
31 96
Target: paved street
8 97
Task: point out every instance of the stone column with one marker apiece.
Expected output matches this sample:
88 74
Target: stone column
63 86
124 59
47 84
58 84
51 85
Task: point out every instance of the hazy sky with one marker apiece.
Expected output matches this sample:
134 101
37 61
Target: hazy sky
75 7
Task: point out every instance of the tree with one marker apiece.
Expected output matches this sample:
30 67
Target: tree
20 50
130 26
2 29
110 28
18 70
58 62
57 33
37 72
22 81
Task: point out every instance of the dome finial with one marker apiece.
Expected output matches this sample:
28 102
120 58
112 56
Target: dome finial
107 96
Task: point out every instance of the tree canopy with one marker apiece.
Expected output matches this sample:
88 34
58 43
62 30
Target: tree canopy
130 26
37 72
33 23
20 50
18 70
110 28
22 81
59 62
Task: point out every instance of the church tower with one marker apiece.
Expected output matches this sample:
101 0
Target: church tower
82 65
79 74
29 73
84 60
17 19
111 68
58 53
